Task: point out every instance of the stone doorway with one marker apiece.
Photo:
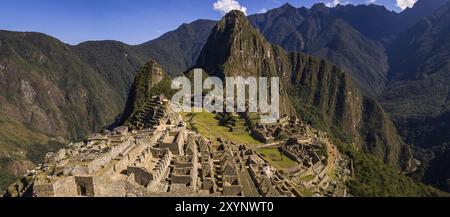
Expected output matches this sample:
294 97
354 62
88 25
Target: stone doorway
85 186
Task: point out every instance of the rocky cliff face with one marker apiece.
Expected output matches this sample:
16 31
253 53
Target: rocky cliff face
319 91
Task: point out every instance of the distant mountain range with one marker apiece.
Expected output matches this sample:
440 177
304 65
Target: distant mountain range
52 92
418 94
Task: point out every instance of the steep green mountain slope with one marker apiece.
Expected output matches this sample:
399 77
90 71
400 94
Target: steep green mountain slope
46 86
176 51
420 66
328 98
14 155
47 94
373 21
418 96
438 172
319 91
319 32
421 9
376 179
114 61
380 24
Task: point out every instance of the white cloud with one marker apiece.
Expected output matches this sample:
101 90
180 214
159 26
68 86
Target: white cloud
334 3
371 2
262 11
403 4
225 6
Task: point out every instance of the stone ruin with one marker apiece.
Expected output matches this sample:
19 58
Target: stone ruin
160 157
270 183
285 126
303 150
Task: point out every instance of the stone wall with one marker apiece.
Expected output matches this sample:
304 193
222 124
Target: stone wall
66 187
175 143
183 161
161 167
261 137
141 175
44 190
159 152
290 155
208 184
233 190
104 159
106 187
181 179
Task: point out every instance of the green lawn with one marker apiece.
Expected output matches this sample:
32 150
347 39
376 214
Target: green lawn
278 160
304 191
206 124
307 178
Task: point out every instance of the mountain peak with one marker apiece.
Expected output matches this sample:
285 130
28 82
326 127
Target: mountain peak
236 48
235 14
287 6
232 37
234 18
421 8
319 7
150 81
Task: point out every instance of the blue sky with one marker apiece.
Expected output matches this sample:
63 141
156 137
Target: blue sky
130 21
